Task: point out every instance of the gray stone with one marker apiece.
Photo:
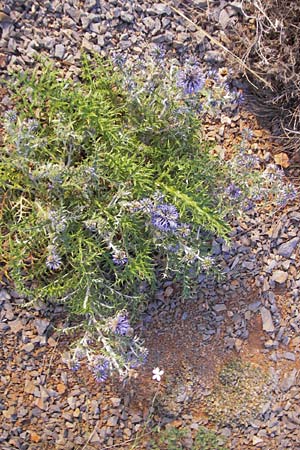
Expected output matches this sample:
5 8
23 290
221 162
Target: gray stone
95 439
257 440
279 276
90 4
213 56
75 14
219 307
41 325
115 401
16 325
267 321
72 402
161 8
4 18
253 307
59 51
287 248
126 17
149 23
271 344
28 347
136 418
112 421
248 265
85 21
289 355
48 42
166 37
4 295
215 248
289 381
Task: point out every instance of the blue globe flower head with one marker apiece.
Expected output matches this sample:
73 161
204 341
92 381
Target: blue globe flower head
238 97
250 161
53 261
136 359
74 365
191 80
10 116
247 134
233 191
100 369
289 192
158 53
32 125
248 206
165 217
184 229
119 258
122 325
119 60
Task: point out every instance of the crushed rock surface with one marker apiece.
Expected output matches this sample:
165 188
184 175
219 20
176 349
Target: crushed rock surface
252 314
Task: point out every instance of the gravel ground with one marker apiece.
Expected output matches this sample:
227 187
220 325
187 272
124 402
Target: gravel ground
252 314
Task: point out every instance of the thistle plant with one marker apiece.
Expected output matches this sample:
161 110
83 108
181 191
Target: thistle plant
106 182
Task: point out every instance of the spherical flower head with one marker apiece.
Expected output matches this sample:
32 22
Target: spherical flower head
10 116
146 205
233 191
238 97
91 171
119 258
184 229
53 261
247 134
250 161
32 125
164 217
136 359
207 262
119 60
74 365
248 206
158 53
122 326
57 222
273 173
190 255
191 80
289 192
100 369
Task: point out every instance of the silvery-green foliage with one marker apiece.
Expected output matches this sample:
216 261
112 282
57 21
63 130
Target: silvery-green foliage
106 182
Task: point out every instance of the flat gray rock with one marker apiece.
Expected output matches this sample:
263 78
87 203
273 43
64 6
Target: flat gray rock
41 325
59 51
289 355
267 321
4 295
287 248
219 307
289 381
279 276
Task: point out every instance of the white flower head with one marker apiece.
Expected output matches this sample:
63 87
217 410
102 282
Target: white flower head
157 374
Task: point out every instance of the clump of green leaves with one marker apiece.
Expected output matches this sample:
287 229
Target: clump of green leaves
105 183
170 439
174 439
238 395
207 439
